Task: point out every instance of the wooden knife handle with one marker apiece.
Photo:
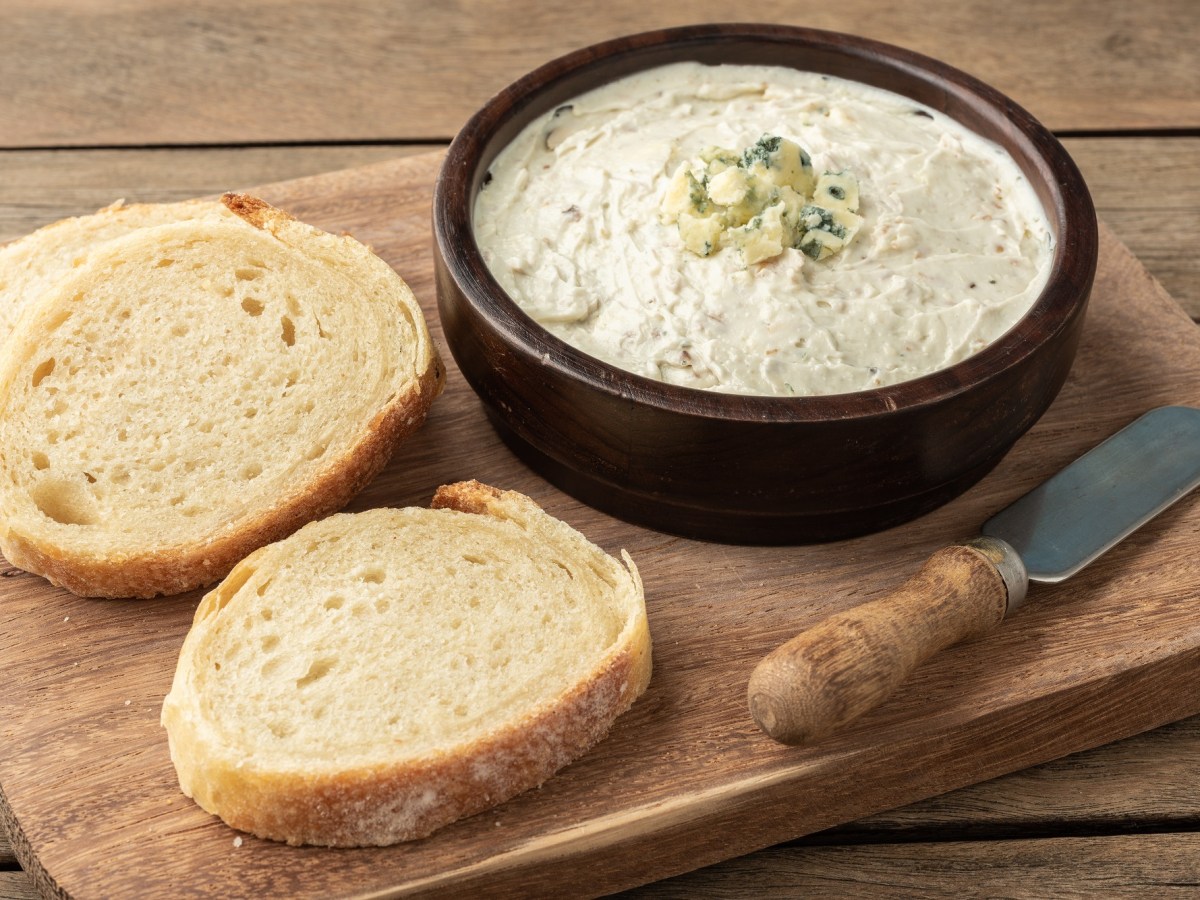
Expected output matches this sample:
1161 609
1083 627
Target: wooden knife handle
848 664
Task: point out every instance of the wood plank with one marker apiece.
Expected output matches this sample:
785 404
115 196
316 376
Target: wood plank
1146 781
685 778
139 72
41 186
1161 226
17 886
1150 865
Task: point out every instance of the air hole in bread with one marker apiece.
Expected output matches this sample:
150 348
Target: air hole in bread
253 306
203 427
335 601
91 479
43 371
289 331
373 575
248 274
179 330
382 605
60 317
40 460
475 560
570 574
270 642
250 471
603 574
120 475
224 593
281 729
359 610
316 451
66 502
164 262
322 333
460 710
317 670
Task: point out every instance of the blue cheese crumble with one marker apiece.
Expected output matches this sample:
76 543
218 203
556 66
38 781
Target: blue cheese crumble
762 201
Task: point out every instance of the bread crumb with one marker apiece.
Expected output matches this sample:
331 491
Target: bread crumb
237 841
66 618
127 702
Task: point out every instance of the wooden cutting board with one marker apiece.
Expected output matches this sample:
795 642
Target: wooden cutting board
685 778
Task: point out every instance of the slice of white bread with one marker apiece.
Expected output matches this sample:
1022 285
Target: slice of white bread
31 265
380 674
197 389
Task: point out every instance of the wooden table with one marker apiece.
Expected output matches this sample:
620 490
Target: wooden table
148 101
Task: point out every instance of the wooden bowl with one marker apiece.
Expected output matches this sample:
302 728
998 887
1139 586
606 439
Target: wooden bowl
751 469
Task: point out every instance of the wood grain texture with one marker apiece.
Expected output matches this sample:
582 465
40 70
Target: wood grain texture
1143 782
16 886
846 665
685 778
41 186
223 71
1151 865
38 187
1162 233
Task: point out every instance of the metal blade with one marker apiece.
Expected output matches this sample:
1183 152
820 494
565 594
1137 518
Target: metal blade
1062 525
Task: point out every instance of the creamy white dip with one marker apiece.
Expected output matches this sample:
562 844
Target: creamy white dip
953 249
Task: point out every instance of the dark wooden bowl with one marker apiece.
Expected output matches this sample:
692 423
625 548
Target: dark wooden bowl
747 468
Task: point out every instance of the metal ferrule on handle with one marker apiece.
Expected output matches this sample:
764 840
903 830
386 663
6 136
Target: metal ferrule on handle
1008 563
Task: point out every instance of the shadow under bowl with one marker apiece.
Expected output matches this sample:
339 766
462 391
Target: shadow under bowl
758 469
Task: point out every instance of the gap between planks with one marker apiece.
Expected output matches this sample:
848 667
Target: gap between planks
38 187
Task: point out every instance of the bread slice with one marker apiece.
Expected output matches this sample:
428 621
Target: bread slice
378 675
31 265
196 389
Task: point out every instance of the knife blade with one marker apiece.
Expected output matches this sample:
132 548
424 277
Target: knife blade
847 664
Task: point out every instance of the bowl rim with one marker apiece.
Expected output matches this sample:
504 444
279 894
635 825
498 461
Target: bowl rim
1071 215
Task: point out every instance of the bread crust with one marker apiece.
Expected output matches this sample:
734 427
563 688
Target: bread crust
385 804
173 569
153 574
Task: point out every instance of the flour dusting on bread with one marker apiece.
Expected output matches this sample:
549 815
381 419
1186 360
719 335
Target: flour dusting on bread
378 675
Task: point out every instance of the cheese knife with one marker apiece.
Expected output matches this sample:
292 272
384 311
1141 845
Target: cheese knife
847 664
